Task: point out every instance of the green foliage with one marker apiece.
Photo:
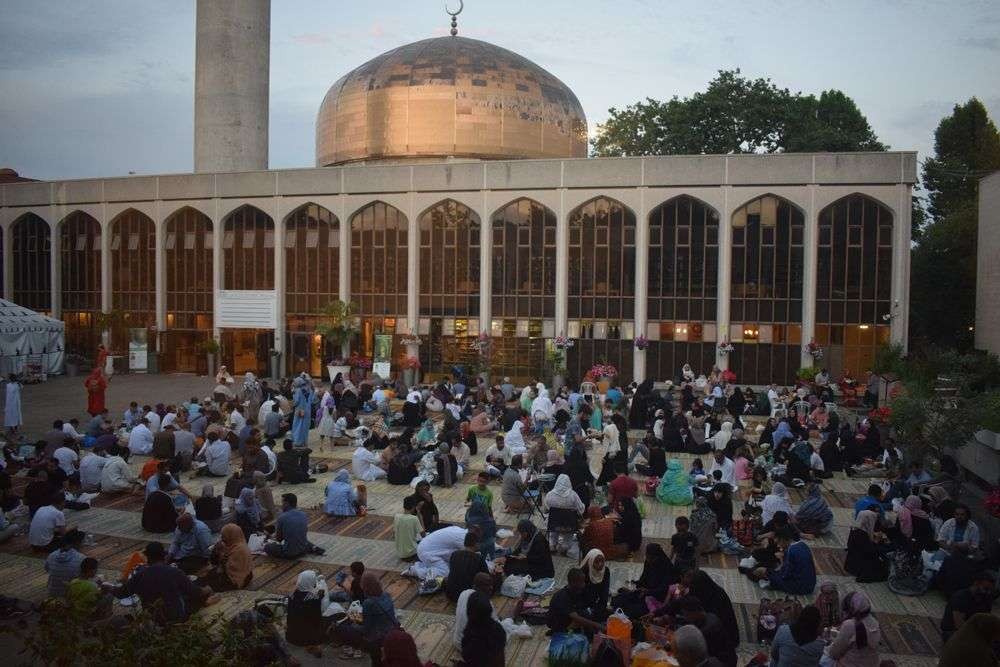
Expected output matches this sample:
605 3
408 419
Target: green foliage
889 359
62 638
210 346
736 114
806 373
966 147
338 325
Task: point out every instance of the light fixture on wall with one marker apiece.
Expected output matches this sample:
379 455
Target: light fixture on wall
888 317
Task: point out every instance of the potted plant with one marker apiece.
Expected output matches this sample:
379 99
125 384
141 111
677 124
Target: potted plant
555 357
483 346
641 342
338 324
411 369
814 350
881 417
724 348
211 348
360 365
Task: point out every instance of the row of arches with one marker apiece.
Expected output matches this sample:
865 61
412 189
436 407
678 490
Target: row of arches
767 265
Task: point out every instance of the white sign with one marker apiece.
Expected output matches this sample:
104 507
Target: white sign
382 369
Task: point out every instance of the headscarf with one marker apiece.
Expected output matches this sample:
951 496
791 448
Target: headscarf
426 433
594 574
247 504
553 458
859 607
399 650
658 571
938 495
342 477
236 557
479 515
912 507
814 509
866 521
525 526
781 432
563 488
724 435
306 583
776 501
514 439
702 514
542 404
370 585
716 601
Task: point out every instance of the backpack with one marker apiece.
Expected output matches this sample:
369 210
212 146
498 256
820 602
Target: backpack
772 613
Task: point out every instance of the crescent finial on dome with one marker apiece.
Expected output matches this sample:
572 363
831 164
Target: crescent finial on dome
454 15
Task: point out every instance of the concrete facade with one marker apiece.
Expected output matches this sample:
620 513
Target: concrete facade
809 182
988 266
232 80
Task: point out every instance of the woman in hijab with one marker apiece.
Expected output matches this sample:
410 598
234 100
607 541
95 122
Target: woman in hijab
628 530
716 601
856 644
675 485
248 512
776 501
782 431
399 650
562 496
553 463
484 641
479 516
412 414
426 435
814 516
514 438
598 587
737 403
915 524
340 498
232 561
864 559
265 499
305 623
158 513
720 501
638 413
577 468
526 399
704 525
658 575
447 466
942 506
208 508
532 555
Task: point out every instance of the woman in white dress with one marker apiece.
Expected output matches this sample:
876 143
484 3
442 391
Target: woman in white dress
327 425
12 408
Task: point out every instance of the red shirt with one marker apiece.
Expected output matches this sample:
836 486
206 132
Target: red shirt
622 486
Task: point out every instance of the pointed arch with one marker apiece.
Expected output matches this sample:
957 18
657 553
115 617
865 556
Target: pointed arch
683 260
601 260
188 241
80 282
248 249
768 273
312 259
524 260
31 242
853 280
449 260
379 261
133 268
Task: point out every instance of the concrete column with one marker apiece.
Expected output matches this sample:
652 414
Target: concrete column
412 267
280 279
216 266
232 75
725 274
900 306
641 284
106 303
810 253
8 262
485 269
160 272
344 256
56 272
562 266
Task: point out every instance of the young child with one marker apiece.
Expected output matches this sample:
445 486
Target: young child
407 529
480 492
87 597
697 470
683 545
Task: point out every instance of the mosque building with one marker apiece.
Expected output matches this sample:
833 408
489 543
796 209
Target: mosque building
452 196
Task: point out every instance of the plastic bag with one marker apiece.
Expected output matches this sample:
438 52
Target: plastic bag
569 648
513 586
619 626
513 629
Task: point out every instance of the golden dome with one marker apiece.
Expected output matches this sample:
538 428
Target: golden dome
449 97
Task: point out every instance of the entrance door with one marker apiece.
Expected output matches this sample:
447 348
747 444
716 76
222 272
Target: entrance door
246 350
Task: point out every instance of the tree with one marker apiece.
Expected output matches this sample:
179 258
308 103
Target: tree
966 147
737 115
943 268
338 322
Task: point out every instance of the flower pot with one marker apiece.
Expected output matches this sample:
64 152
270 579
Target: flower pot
345 371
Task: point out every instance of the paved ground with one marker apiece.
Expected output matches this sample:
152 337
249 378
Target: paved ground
910 634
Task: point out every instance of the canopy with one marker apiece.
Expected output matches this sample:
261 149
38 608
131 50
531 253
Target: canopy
27 337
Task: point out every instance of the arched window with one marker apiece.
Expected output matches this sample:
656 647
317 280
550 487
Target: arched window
524 260
766 303
31 240
187 245
80 257
378 260
449 260
853 281
312 259
133 266
602 260
683 286
248 250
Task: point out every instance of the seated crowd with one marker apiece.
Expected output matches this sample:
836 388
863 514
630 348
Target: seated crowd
561 471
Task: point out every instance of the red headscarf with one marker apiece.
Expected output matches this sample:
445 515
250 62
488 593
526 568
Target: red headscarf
399 650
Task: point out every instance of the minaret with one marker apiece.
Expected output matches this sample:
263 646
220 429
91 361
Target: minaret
232 72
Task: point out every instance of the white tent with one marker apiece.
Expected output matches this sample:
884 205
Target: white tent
30 337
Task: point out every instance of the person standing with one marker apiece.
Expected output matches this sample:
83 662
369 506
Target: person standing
96 385
12 419
301 417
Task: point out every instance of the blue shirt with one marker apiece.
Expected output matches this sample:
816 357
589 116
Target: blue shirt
292 527
153 484
195 542
615 395
867 503
922 478
132 418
